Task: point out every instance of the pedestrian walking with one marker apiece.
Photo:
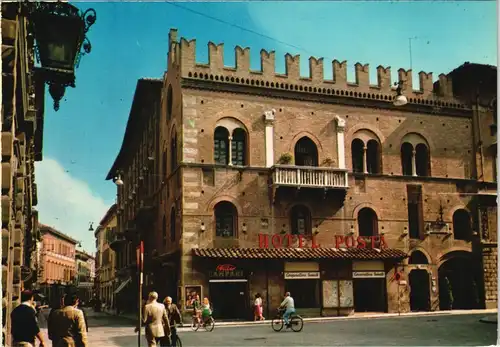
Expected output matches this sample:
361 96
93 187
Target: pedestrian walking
68 324
258 307
24 323
174 317
156 320
50 327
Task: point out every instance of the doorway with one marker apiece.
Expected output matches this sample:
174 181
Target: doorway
420 299
229 299
369 295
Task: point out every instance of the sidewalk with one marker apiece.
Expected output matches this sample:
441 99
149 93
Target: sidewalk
355 316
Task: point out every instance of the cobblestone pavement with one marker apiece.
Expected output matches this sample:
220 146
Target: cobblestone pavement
454 330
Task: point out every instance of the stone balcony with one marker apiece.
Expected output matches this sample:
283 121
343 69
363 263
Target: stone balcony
309 177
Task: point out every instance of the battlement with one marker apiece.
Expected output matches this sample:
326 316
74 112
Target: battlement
267 77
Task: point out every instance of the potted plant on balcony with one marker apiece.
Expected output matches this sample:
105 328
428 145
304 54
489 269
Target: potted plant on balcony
327 161
285 158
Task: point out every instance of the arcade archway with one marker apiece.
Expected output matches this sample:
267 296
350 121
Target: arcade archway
420 296
459 283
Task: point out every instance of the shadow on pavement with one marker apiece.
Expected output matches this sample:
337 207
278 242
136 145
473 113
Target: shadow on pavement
128 340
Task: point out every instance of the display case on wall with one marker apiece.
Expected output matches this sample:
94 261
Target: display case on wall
338 295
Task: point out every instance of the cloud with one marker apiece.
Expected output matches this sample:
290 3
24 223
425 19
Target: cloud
67 204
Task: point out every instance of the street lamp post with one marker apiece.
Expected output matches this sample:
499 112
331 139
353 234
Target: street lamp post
59 30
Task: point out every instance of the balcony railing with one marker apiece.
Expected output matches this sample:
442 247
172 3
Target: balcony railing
309 176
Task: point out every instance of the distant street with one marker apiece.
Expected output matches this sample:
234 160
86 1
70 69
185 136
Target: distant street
453 330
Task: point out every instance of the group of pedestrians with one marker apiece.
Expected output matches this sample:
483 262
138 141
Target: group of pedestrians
160 321
66 325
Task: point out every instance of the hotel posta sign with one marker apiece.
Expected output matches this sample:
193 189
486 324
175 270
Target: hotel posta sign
299 241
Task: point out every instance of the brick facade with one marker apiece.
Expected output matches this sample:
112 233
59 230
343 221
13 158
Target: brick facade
199 99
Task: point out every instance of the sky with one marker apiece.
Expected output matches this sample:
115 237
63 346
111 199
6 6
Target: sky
130 41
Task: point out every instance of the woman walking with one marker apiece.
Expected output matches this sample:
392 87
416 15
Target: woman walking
258 308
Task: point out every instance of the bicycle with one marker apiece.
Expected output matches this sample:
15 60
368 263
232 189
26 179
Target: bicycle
295 322
208 323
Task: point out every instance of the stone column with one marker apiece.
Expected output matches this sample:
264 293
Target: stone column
413 163
230 150
365 164
269 137
340 142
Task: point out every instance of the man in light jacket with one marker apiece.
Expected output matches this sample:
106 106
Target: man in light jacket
289 305
155 318
67 325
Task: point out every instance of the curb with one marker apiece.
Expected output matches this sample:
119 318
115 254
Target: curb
357 317
489 320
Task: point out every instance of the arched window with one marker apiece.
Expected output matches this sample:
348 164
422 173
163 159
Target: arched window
357 152
169 102
172 225
164 229
173 152
306 153
462 229
373 157
422 160
226 217
418 257
238 144
407 158
301 220
367 222
221 146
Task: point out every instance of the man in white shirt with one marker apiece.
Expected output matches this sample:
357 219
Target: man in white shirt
289 305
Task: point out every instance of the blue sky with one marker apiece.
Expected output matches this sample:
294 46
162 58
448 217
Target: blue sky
130 41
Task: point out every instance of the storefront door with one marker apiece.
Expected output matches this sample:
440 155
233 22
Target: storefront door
369 295
229 299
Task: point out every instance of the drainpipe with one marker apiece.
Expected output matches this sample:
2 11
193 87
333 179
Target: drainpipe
480 142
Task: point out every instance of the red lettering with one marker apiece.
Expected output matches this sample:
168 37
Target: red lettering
276 241
225 267
301 241
351 243
339 239
263 241
314 245
382 242
361 242
289 240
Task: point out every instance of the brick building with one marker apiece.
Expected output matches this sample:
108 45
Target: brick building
105 234
253 181
57 265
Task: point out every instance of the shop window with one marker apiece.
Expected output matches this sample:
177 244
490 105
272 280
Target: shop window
173 152
422 160
357 153
407 158
418 257
306 152
221 146
367 222
462 229
172 224
306 293
373 157
226 217
415 211
301 220
238 147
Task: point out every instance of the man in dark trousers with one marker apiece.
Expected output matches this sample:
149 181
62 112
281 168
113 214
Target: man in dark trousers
174 317
24 323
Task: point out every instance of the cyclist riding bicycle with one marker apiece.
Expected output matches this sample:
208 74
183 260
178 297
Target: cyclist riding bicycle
206 311
289 306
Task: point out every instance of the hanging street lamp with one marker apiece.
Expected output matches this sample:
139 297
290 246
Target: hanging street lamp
59 30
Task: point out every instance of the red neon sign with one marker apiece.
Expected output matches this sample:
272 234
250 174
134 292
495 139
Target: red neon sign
298 241
225 267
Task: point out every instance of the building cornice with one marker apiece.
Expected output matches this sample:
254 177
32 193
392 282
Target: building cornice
328 97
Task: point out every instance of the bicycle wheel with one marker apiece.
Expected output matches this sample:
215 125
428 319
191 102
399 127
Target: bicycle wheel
210 324
277 324
178 343
297 323
195 325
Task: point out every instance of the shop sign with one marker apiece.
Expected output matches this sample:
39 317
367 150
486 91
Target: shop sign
368 274
226 271
303 275
299 241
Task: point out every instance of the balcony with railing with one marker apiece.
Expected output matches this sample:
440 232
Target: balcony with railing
309 177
